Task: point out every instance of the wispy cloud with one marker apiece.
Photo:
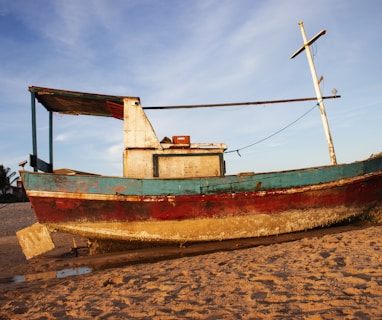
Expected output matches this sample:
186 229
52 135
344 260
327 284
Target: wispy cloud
62 137
177 52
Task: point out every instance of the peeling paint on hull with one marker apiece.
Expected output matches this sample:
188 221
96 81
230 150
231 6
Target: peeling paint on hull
210 229
190 216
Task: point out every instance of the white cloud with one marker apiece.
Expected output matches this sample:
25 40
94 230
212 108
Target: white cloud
177 52
62 137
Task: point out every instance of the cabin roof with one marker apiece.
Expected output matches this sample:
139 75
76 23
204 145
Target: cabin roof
80 103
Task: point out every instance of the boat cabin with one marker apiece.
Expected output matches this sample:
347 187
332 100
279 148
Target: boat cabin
144 155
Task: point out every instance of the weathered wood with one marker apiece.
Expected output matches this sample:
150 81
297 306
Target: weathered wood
35 240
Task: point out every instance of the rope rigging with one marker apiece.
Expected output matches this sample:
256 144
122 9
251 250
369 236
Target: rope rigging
273 134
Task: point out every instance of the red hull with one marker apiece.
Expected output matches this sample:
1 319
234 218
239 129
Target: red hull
363 194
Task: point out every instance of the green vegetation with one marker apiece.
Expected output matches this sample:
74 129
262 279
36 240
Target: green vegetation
8 193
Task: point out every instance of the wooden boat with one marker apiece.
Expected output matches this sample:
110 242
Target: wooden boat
177 191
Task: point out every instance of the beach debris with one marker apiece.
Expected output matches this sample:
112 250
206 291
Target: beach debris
35 240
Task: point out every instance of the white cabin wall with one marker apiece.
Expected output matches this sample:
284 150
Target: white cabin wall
138 131
140 136
138 164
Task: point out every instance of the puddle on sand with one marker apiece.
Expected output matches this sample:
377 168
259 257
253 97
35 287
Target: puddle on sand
47 275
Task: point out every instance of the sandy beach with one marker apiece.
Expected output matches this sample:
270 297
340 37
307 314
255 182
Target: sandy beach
334 275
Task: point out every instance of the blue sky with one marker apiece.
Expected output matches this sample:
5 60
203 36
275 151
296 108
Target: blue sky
193 52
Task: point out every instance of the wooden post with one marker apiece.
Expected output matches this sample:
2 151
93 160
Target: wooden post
306 47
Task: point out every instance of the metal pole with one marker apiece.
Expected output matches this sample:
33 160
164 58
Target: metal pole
236 103
51 139
318 94
34 130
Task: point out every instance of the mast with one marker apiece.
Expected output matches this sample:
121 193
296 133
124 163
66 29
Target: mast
306 47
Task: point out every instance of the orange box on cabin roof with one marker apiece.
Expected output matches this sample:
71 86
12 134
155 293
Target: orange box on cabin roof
181 139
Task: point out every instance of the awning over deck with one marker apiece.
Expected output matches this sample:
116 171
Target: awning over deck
79 103
69 102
